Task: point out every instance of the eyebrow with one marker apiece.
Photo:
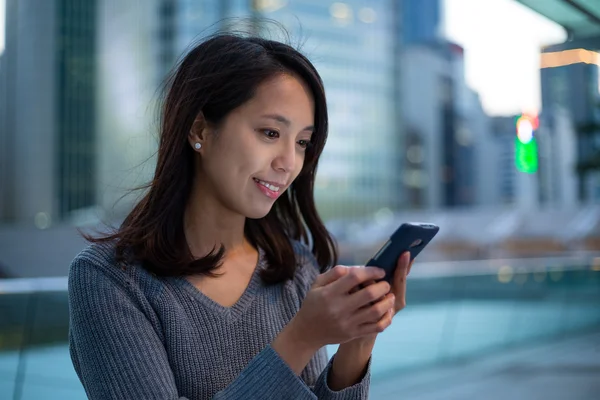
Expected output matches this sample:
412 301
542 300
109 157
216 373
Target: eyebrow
285 121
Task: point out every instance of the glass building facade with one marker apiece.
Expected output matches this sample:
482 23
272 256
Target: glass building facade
573 85
421 21
109 58
49 99
75 105
353 45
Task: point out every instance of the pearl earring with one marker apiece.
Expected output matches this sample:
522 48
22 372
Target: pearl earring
198 146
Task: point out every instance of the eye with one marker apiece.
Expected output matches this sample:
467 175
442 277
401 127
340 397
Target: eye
304 143
270 133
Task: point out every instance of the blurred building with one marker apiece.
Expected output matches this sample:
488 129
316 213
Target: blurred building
441 116
135 50
485 163
49 132
512 186
95 98
558 158
421 21
80 92
5 140
354 45
107 143
551 182
570 81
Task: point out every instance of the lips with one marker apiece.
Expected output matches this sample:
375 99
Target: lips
270 189
269 185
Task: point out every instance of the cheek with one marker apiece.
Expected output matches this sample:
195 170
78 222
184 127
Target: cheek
229 157
234 169
221 172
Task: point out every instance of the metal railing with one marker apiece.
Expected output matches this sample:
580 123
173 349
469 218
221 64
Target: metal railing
455 310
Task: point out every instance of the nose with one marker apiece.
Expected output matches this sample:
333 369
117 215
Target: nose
285 159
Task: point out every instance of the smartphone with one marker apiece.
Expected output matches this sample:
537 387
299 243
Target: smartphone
410 236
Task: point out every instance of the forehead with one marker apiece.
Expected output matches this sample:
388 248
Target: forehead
285 94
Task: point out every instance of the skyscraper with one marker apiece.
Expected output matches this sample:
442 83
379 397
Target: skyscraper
570 81
91 71
136 47
49 103
550 182
421 21
442 116
354 45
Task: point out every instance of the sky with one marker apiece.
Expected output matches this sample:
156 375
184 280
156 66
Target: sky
502 41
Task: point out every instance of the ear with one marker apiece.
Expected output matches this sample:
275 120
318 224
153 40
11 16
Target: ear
199 131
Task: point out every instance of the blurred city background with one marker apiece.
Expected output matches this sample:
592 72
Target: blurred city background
482 116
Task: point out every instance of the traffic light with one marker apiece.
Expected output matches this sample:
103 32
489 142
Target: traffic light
526 151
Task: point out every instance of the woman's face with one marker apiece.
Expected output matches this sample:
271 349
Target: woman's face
259 148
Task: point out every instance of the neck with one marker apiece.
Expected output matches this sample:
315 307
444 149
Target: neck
208 225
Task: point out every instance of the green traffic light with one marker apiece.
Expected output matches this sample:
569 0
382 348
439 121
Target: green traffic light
526 156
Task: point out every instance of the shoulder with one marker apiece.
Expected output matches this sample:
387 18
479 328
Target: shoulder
98 282
97 267
94 274
97 259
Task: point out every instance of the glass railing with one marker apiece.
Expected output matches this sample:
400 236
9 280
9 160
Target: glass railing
455 310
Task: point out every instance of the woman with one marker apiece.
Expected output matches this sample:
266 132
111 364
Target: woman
209 288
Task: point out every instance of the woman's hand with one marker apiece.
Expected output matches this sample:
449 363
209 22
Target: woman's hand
398 291
331 314
352 357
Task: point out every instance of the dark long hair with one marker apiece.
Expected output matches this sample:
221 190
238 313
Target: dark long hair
214 78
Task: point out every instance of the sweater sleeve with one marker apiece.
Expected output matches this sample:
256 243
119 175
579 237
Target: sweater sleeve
358 391
118 354
309 270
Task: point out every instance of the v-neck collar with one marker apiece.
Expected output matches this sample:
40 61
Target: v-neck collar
237 309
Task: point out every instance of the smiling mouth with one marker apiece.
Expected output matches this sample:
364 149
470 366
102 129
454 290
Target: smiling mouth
268 185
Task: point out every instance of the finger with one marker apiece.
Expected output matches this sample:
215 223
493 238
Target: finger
399 281
357 276
368 295
404 260
330 276
379 326
362 285
402 266
373 313
410 267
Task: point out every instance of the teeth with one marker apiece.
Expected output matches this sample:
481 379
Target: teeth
268 185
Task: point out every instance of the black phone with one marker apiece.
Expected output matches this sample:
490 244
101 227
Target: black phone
410 236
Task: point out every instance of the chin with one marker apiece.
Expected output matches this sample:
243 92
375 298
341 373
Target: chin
257 212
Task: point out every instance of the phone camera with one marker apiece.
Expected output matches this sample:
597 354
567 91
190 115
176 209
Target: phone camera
416 243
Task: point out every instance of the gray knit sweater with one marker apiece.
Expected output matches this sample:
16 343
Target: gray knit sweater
137 336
